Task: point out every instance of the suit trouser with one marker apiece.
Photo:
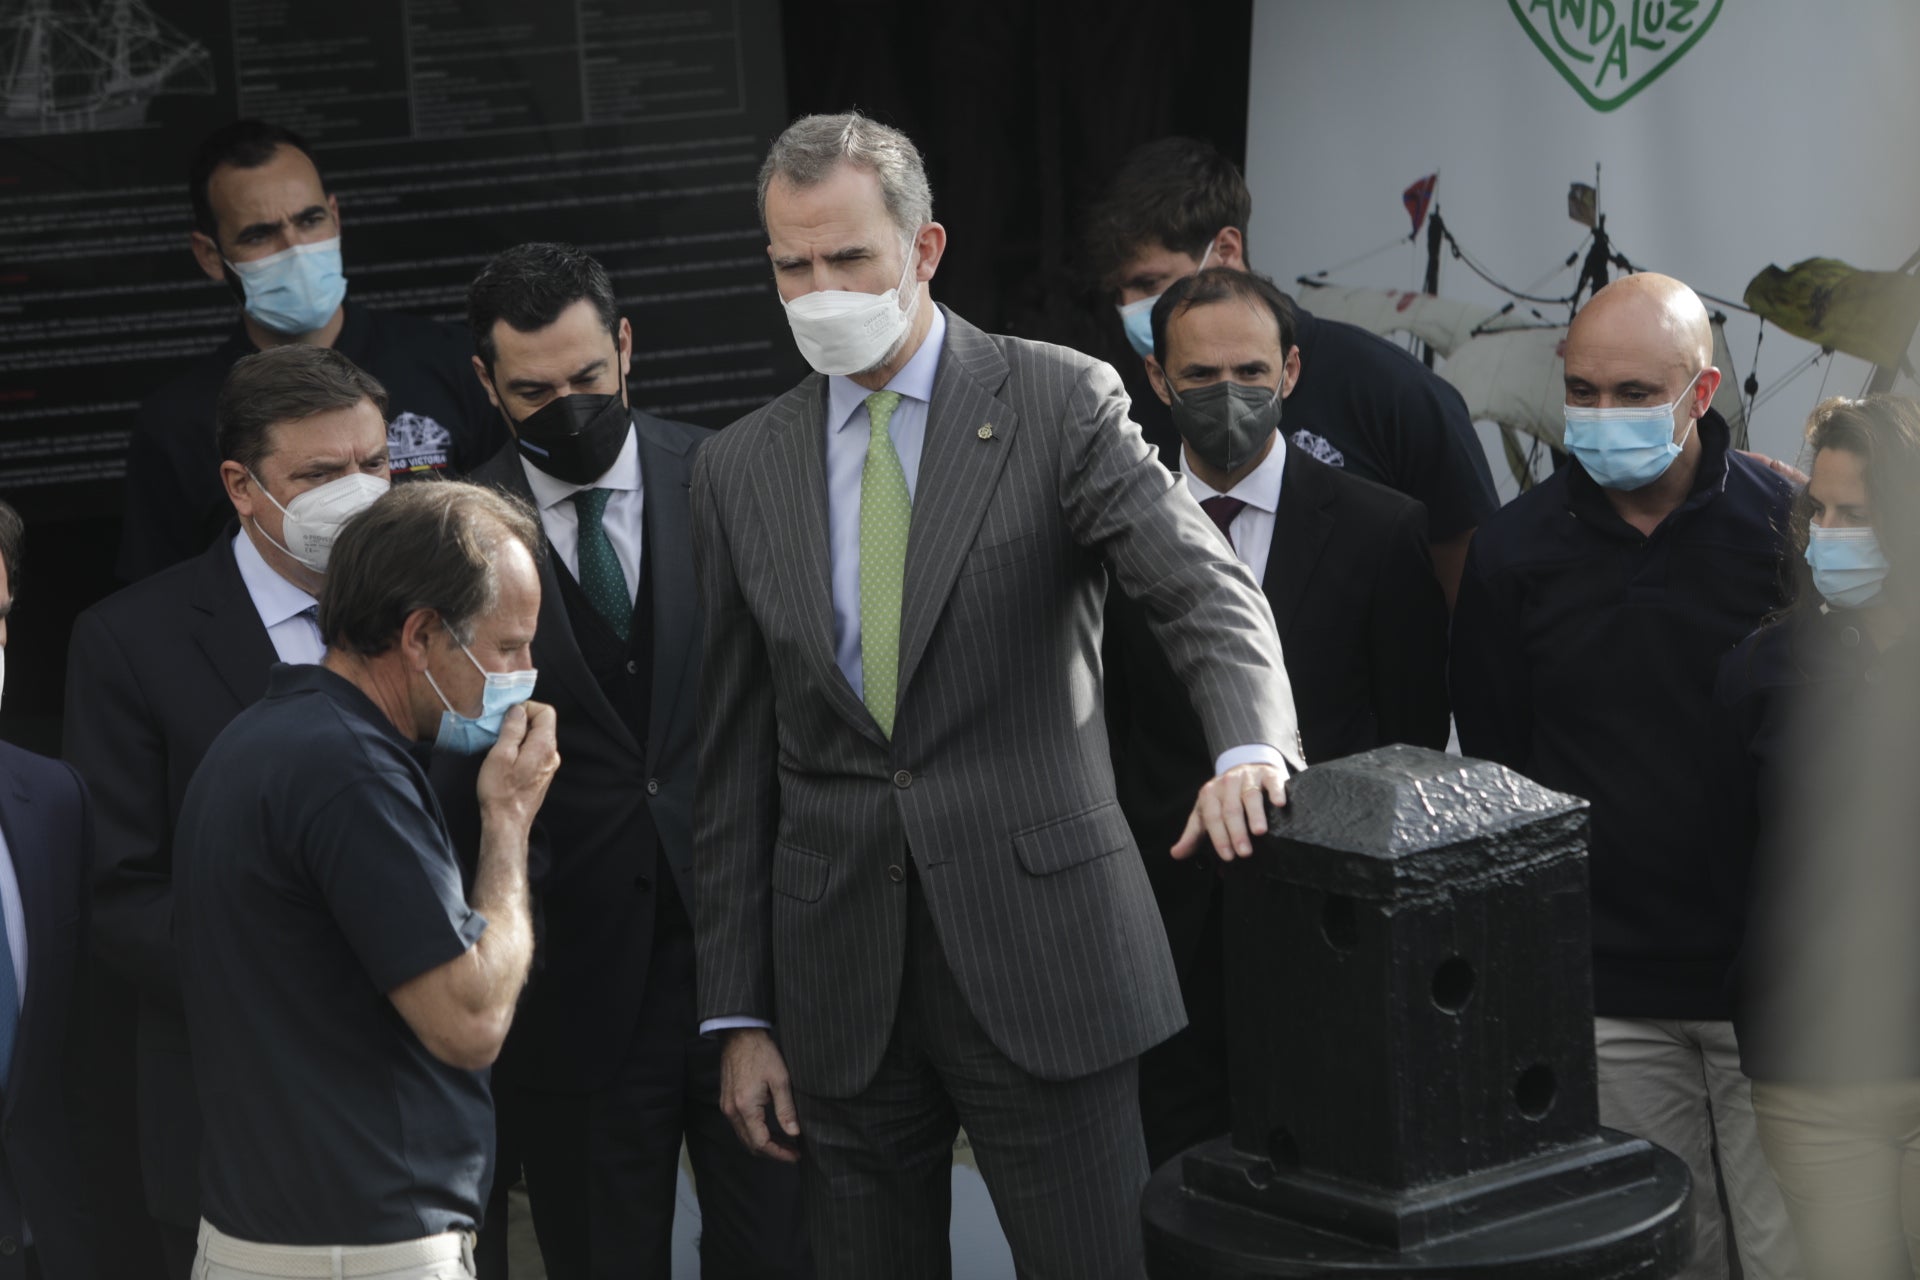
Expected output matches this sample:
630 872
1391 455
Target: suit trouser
1848 1160
1679 1084
1063 1160
1184 1098
602 1168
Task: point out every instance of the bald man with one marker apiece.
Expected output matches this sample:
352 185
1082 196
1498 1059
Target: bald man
1593 612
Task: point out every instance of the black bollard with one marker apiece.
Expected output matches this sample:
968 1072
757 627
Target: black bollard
1410 996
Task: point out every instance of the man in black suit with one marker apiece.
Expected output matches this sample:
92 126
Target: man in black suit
158 669
1346 568
45 837
605 1072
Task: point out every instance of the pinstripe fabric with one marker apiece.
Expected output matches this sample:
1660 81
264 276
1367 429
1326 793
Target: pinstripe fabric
997 776
1063 1159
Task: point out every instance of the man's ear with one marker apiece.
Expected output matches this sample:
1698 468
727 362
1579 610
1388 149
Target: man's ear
1229 249
239 487
1290 373
208 255
624 341
486 379
1704 390
1158 377
416 637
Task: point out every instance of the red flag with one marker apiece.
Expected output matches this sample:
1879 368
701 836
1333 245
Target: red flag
1417 197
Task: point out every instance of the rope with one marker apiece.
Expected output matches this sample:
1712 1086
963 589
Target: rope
1370 254
1780 384
1507 289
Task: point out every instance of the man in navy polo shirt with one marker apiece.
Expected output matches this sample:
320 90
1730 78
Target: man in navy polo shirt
1593 614
345 991
265 224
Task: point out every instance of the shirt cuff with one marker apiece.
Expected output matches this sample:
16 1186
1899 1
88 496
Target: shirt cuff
1257 753
733 1022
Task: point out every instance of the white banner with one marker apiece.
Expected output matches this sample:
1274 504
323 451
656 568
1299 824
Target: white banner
1731 134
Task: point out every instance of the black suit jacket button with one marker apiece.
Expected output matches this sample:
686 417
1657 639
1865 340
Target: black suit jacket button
895 874
642 883
653 786
903 779
633 667
9 1246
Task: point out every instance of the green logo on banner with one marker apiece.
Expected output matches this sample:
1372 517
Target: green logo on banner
1610 50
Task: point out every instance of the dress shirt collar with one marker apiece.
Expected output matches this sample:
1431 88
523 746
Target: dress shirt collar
913 382
623 474
274 598
1259 488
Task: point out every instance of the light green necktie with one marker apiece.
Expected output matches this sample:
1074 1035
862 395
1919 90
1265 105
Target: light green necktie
885 510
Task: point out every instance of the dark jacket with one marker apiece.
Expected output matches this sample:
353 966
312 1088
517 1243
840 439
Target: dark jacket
1363 628
1584 656
1820 731
597 898
154 673
43 810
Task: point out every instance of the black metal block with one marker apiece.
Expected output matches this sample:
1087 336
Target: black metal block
1411 1027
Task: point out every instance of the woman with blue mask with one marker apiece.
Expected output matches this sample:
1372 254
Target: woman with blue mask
1822 725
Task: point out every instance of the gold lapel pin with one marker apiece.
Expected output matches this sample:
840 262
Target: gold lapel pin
986 431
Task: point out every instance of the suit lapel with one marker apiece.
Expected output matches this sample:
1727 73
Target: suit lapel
228 627
24 827
790 476
558 649
1301 528
958 471
666 476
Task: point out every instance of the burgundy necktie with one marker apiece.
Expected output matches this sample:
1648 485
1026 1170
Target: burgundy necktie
1222 511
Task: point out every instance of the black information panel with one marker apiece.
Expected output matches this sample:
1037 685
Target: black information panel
447 128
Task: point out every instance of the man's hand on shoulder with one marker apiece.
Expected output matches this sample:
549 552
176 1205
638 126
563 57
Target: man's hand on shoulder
753 1074
1232 809
513 781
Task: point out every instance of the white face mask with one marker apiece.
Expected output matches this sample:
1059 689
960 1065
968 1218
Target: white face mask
314 519
841 332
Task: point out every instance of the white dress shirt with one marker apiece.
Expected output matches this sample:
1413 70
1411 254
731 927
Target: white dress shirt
848 430
1251 532
14 908
281 605
624 519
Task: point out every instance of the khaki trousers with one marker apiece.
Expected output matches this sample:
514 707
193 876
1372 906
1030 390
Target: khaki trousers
1848 1161
442 1257
1679 1084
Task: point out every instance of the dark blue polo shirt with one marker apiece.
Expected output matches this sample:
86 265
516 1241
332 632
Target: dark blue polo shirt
1584 656
313 875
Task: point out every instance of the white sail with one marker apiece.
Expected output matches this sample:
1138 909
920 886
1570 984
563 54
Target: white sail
1442 323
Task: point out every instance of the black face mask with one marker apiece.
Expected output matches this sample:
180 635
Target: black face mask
1225 423
574 438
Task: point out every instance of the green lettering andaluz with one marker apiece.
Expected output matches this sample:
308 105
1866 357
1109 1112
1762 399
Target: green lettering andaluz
1609 50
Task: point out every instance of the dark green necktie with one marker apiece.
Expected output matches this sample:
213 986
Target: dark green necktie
600 574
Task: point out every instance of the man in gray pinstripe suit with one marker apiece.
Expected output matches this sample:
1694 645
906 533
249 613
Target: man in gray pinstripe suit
914 888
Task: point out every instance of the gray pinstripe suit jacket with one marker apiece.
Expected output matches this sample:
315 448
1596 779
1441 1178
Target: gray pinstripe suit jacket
997 777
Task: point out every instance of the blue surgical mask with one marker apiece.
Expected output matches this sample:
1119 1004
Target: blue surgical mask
1137 317
297 290
1848 566
473 735
1627 448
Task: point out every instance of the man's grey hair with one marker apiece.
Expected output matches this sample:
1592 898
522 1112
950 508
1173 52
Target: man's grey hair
814 146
